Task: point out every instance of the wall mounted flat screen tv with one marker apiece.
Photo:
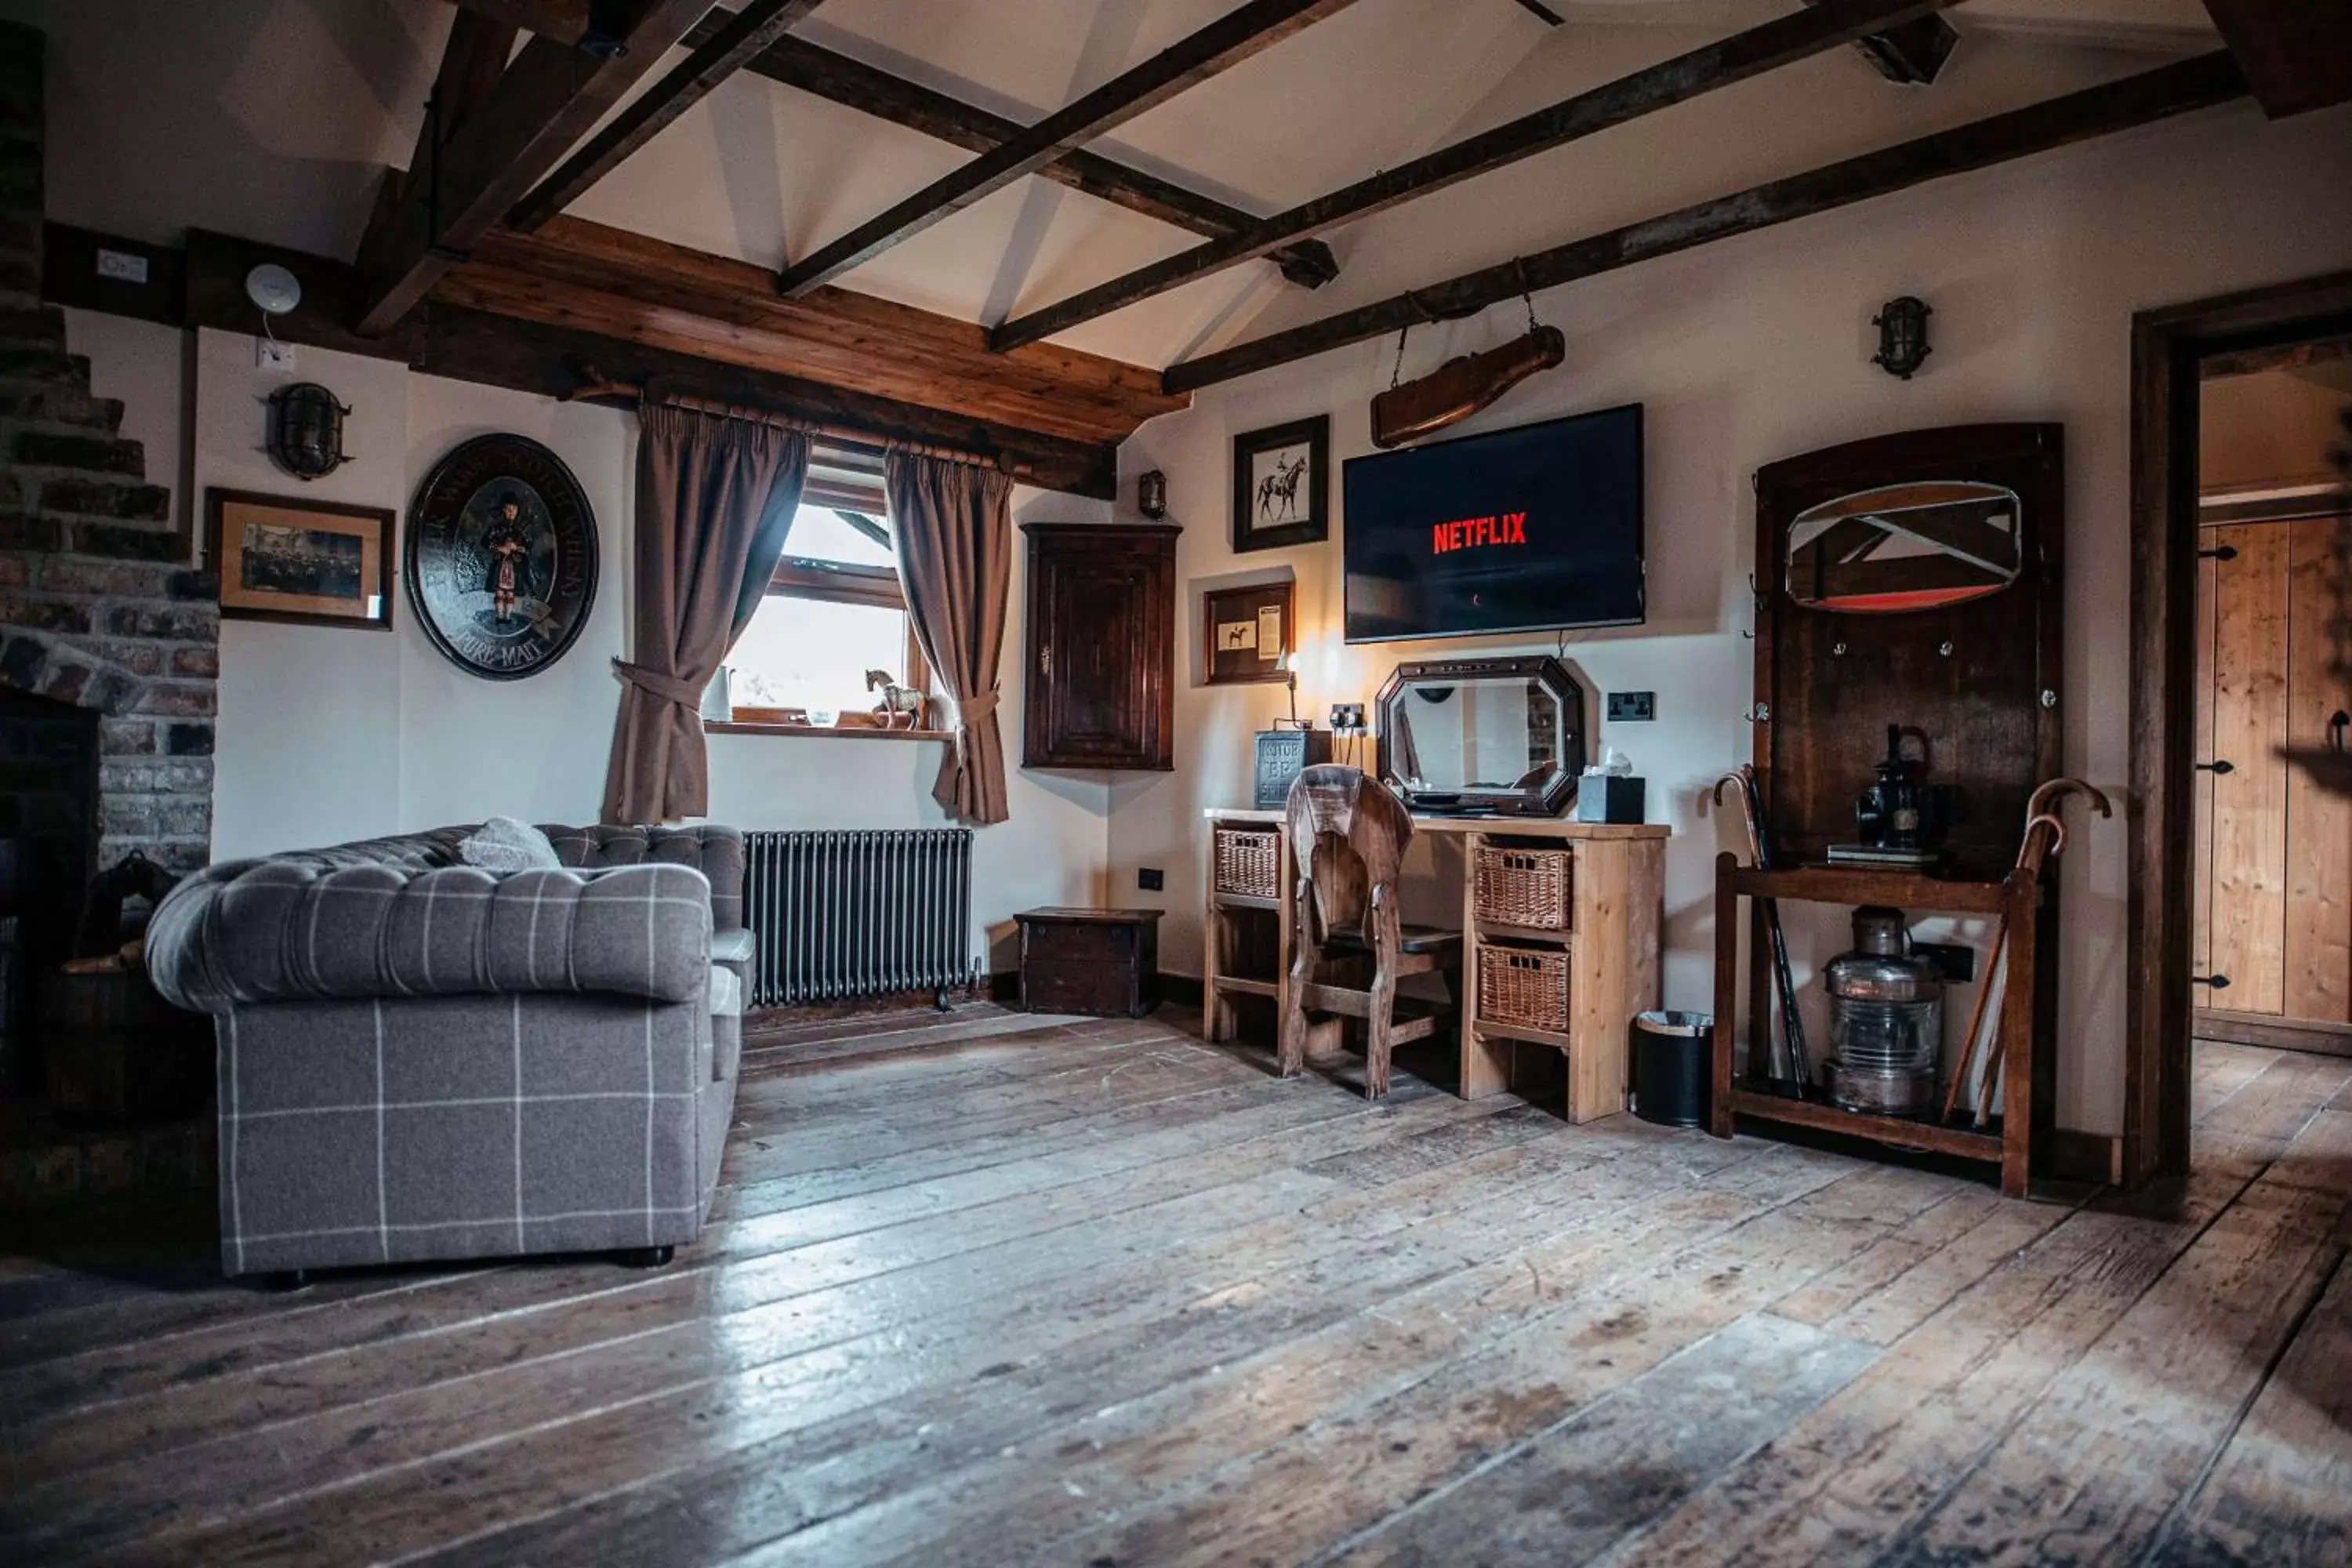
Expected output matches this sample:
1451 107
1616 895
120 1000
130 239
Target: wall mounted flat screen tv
1525 529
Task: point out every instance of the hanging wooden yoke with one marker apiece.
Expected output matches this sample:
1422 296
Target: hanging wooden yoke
1461 387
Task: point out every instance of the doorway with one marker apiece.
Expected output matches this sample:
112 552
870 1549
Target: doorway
2272 867
2227 546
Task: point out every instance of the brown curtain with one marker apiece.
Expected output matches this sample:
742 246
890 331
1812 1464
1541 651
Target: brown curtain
715 498
953 521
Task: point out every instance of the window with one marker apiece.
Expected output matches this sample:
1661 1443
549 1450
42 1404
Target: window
833 612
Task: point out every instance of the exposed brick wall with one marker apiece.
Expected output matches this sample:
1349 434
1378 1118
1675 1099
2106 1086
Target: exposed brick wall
98 607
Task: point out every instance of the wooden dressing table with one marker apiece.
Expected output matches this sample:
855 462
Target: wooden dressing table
1607 934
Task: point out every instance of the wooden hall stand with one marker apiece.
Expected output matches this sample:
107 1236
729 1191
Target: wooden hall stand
1610 937
2021 1057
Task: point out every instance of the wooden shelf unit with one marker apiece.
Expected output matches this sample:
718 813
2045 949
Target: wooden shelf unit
2021 1048
1615 919
1235 944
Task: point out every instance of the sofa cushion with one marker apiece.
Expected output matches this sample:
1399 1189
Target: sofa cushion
287 929
505 845
714 850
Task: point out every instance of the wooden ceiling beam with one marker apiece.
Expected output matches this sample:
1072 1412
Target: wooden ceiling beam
2175 89
566 21
1910 54
556 361
727 48
1239 35
547 100
498 350
574 273
837 79
2296 54
1780 42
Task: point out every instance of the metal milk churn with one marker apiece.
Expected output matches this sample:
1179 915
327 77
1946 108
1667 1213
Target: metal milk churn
1886 1019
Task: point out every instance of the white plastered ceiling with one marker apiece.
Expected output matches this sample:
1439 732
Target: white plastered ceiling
269 118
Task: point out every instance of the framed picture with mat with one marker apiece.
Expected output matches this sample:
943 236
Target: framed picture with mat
1282 488
1245 632
301 562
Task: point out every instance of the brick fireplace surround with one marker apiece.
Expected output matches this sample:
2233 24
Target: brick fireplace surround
100 611
99 606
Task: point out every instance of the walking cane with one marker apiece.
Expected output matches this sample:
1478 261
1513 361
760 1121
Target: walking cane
1752 814
2041 811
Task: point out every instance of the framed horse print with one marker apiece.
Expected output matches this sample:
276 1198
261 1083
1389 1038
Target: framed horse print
1282 491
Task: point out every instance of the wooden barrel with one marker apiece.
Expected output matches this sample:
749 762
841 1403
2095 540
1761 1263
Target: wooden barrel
116 1054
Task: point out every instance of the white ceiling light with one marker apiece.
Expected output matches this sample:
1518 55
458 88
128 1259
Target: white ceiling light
273 289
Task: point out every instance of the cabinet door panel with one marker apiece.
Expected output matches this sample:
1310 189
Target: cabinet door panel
1101 648
2319 823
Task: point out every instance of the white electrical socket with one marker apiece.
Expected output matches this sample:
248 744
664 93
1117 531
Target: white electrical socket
268 353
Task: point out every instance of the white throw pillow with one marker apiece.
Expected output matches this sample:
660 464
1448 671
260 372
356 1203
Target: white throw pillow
504 845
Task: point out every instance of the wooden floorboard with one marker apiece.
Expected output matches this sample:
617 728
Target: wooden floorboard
984 1289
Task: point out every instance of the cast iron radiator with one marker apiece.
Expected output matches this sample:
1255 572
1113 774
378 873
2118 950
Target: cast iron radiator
858 914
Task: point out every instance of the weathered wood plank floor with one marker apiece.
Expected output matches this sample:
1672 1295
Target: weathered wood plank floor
1024 1291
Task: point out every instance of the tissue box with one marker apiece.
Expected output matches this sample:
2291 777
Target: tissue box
1610 798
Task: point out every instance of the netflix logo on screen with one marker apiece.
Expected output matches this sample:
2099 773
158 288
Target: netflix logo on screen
1472 532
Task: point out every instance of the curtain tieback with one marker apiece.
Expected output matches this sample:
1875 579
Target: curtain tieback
971 707
670 687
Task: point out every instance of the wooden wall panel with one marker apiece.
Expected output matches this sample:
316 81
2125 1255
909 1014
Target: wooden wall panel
2318 971
2249 804
2201 939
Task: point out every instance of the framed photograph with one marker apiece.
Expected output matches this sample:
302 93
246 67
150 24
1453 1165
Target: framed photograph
318 563
1245 632
1282 490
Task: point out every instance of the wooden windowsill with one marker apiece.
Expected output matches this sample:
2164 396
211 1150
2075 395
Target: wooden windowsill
824 732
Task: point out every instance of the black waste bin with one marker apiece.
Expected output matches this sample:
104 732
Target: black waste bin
1673 1067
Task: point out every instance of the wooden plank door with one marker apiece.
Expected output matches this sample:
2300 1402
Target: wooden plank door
2319 951
2250 801
2208 545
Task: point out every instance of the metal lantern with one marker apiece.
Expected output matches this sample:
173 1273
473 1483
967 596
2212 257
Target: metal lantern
1902 326
306 430
1151 495
1886 1019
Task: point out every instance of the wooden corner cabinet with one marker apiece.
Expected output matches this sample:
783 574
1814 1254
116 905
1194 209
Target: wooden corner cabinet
1101 660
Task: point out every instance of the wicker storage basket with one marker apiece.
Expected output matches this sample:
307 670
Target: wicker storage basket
1522 887
1523 986
1249 863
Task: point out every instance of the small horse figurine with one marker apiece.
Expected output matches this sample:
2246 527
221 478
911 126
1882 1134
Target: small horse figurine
897 702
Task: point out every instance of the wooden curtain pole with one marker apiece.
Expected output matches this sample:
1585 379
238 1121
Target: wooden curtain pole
842 434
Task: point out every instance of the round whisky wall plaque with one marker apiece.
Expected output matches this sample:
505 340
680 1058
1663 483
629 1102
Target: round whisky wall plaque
501 557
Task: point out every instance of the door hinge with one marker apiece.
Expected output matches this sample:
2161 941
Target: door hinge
2223 766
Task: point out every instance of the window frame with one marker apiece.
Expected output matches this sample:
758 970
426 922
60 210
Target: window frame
840 583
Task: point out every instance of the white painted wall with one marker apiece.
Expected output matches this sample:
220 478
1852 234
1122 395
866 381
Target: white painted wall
328 734
1757 349
307 751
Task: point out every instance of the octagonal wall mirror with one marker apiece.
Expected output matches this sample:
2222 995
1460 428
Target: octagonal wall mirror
1480 736
1899 548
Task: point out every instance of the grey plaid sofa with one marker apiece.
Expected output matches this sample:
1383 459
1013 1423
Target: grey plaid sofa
421 1060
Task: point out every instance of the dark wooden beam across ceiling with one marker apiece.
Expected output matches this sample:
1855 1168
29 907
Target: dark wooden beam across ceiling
2296 54
727 48
564 21
546 100
2171 90
1239 35
577 274
1911 54
555 360
1780 42
851 83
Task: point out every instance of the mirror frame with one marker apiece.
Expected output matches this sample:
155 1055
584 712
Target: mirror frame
1547 672
1965 595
